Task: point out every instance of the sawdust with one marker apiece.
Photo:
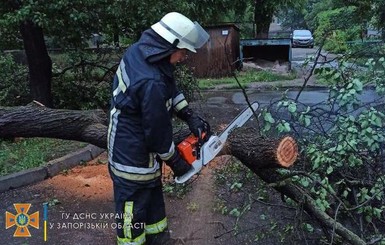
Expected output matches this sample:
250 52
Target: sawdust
91 181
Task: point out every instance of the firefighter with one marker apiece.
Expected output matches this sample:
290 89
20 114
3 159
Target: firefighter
144 98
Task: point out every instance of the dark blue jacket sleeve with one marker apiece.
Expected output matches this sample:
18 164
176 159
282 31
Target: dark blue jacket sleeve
156 118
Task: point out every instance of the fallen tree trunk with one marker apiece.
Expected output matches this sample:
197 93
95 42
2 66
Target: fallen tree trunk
245 146
267 153
35 120
261 155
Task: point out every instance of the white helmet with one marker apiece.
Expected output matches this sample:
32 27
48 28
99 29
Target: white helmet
174 26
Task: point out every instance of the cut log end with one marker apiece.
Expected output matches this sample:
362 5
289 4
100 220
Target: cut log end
287 152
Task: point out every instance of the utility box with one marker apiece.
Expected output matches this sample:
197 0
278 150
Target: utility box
277 49
219 57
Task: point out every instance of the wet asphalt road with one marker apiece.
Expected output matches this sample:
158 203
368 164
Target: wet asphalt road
307 97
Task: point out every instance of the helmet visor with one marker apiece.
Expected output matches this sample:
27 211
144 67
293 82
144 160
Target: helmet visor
196 38
203 36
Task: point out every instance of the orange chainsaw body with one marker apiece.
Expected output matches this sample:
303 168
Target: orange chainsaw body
189 148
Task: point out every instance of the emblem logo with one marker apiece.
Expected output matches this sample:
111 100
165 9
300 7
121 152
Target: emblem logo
22 220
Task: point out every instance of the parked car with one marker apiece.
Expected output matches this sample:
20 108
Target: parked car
302 38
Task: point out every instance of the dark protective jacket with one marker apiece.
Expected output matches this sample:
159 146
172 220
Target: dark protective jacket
144 97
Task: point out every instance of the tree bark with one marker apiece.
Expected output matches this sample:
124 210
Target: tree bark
39 62
36 120
263 16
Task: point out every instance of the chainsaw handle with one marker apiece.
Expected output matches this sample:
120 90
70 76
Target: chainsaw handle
200 142
206 129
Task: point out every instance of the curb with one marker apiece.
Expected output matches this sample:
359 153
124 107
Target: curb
51 168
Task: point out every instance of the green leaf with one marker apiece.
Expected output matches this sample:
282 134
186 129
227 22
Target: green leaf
329 170
376 121
236 185
305 182
368 218
307 121
268 118
292 108
357 85
345 193
377 212
235 212
267 127
308 227
283 127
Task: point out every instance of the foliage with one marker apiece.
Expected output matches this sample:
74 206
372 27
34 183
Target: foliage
292 18
80 91
255 208
379 16
14 89
83 79
243 18
343 20
337 27
336 42
187 83
67 22
79 83
341 142
86 84
171 188
70 23
362 51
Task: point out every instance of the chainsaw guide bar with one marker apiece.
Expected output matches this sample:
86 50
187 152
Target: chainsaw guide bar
210 149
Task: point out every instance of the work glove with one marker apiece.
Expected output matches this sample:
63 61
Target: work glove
178 165
195 123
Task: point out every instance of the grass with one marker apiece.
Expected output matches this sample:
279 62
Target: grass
29 153
245 78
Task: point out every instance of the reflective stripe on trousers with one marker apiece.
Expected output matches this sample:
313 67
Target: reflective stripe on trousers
157 227
140 240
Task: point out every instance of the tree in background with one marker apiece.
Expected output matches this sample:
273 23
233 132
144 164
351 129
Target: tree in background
336 21
67 22
379 16
70 24
265 10
292 19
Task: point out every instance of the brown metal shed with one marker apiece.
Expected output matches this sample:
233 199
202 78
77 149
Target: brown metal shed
220 55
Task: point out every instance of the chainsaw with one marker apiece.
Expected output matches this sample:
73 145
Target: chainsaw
200 150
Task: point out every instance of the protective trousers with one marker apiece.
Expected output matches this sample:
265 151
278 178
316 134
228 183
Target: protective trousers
141 215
